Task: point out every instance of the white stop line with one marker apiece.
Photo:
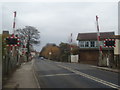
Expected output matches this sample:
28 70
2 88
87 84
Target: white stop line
91 77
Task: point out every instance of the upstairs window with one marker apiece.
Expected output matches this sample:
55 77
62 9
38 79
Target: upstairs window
86 44
92 44
81 43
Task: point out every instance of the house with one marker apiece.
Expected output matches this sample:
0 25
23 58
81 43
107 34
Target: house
89 48
117 51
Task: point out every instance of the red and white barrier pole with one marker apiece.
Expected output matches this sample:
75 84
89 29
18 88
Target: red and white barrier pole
71 47
13 35
98 36
71 41
14 22
99 44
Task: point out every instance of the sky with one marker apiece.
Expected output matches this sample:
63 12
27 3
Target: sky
57 20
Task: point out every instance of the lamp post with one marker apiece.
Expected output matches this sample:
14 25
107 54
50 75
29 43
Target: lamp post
50 55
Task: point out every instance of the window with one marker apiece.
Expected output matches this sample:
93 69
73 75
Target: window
96 45
92 44
81 43
86 44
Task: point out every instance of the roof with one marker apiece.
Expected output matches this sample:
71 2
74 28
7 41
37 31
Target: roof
5 32
116 36
93 36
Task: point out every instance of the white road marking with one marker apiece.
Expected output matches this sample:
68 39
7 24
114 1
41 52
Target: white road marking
62 74
91 77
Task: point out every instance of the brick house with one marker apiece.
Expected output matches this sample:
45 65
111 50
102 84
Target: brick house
89 49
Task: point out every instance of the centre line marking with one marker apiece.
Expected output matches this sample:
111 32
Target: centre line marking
50 75
91 77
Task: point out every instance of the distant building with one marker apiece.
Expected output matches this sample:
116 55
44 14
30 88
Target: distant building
89 48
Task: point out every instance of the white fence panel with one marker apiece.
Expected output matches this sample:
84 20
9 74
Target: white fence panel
74 58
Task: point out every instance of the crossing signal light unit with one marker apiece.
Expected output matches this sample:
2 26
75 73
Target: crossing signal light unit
12 41
109 43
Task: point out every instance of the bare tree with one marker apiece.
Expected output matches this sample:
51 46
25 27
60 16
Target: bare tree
31 35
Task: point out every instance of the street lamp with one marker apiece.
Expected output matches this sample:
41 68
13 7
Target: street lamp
50 54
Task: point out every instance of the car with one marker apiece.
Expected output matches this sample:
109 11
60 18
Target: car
42 58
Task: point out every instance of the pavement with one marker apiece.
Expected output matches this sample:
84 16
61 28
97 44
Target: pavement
107 69
0 62
0 76
23 77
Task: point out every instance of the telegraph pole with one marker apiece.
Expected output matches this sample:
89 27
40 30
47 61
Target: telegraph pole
99 44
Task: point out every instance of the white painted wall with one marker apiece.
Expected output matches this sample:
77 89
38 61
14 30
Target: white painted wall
117 48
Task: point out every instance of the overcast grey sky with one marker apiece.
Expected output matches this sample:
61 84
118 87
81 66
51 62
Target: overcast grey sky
56 20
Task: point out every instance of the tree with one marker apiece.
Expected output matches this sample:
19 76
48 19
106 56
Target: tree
29 34
65 51
75 49
53 49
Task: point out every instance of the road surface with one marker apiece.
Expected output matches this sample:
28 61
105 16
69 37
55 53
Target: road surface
51 74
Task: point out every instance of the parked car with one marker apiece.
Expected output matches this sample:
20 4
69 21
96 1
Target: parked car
42 58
